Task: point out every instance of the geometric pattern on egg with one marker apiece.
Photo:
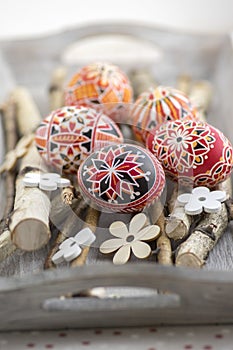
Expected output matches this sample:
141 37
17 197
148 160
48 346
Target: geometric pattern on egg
102 86
159 105
192 152
121 178
68 135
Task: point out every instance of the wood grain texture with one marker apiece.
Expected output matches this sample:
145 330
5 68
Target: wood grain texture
195 298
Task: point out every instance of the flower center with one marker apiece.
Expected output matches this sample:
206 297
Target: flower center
201 199
179 139
130 238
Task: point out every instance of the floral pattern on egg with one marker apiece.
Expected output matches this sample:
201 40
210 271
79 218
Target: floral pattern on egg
192 152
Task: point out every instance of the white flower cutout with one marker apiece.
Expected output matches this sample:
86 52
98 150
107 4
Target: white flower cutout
46 182
130 239
71 248
202 199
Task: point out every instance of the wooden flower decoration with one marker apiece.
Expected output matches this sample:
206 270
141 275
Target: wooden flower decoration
131 239
201 199
72 247
45 182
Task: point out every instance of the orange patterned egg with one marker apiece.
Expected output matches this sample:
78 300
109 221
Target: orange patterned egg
68 135
101 86
192 152
157 106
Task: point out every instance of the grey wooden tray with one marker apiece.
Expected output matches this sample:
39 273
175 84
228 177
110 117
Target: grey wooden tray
35 299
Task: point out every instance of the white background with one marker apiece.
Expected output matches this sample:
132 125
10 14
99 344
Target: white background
19 18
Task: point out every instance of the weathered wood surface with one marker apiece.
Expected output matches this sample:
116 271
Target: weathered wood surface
200 296
194 298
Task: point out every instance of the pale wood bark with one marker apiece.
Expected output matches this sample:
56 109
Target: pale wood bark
194 251
163 242
91 221
29 222
141 81
27 113
178 223
7 247
68 225
56 90
184 83
9 121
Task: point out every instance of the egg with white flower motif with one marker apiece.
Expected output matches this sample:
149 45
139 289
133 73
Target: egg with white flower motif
69 134
192 152
121 178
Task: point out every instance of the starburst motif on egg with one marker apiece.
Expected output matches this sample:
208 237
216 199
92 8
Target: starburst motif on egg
115 173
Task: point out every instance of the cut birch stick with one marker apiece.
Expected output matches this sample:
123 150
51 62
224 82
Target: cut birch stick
9 122
69 225
56 89
27 113
178 223
29 222
194 251
163 242
91 221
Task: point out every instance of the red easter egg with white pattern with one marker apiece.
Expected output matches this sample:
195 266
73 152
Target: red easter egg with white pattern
121 178
69 134
192 152
102 86
158 105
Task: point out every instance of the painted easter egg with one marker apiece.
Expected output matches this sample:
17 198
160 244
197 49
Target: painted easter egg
192 152
158 105
68 135
101 86
121 178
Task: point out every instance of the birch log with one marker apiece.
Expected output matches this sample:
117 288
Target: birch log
6 245
27 113
194 251
163 242
29 222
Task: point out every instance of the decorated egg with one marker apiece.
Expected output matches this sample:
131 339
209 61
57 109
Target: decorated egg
68 135
192 152
158 105
121 178
101 86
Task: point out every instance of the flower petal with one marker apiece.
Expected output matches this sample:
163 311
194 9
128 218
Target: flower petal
111 245
220 196
184 198
140 249
201 191
119 229
58 257
148 233
137 223
194 206
212 206
122 256
72 253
